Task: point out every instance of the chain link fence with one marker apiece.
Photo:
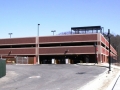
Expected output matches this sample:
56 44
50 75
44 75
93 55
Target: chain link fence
21 60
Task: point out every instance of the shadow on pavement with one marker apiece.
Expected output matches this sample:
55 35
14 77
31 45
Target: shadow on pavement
80 73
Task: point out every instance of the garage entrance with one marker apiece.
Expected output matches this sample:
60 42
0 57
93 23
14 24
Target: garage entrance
67 59
46 61
52 59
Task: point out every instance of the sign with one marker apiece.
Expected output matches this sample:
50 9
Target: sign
66 61
53 61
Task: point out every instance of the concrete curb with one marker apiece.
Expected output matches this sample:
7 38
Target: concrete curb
112 84
86 64
24 64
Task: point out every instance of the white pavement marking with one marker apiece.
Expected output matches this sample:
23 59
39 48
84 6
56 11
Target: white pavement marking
34 77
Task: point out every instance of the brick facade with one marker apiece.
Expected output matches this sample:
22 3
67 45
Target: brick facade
79 42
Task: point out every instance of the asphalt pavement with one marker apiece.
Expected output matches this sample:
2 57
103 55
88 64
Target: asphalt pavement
48 77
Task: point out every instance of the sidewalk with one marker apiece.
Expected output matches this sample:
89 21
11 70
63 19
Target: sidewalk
106 81
117 84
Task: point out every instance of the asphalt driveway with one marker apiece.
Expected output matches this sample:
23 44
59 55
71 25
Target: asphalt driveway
48 77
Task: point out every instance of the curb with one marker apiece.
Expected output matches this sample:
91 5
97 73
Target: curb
86 64
25 64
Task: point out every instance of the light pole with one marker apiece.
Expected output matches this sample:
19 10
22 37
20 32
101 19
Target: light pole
38 43
38 30
10 34
109 50
53 31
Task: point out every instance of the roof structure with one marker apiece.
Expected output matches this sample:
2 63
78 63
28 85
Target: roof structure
86 29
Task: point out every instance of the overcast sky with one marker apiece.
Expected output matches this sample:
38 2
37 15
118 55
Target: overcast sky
21 17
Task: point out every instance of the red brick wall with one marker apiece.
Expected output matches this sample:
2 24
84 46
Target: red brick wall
72 50
107 52
113 50
68 38
18 51
103 50
107 44
103 39
17 41
34 60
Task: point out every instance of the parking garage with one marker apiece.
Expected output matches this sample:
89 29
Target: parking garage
82 45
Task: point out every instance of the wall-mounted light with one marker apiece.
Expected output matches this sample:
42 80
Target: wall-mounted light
67 50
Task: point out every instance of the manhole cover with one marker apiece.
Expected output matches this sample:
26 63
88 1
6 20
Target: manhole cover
34 77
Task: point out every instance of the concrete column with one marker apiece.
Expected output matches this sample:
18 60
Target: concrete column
39 60
34 60
37 50
101 58
104 59
100 50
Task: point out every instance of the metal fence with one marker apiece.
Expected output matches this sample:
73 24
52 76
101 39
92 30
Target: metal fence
22 60
2 68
